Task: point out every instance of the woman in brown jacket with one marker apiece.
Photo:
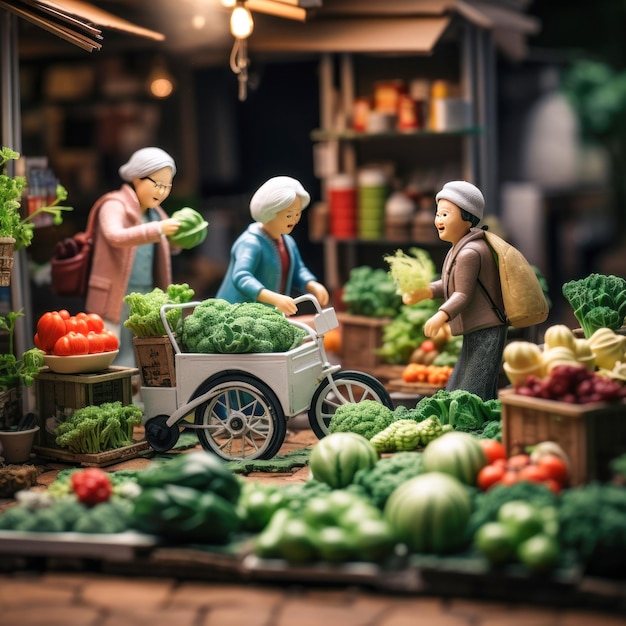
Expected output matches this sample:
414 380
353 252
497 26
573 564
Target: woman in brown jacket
470 289
131 249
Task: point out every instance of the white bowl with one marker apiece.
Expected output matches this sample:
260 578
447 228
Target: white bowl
80 364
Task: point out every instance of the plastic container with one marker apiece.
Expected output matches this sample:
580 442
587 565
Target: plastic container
342 202
372 195
399 210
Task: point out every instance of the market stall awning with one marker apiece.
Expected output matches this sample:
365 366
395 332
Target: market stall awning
412 26
75 21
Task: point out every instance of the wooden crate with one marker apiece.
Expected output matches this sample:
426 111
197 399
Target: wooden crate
590 434
360 338
96 459
59 395
155 360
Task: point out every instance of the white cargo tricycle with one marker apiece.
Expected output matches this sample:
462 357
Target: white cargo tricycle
240 403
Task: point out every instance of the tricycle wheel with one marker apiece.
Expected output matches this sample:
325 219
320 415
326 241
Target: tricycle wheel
159 435
353 387
242 419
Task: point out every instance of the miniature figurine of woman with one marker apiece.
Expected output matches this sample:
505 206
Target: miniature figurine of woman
131 249
265 263
469 287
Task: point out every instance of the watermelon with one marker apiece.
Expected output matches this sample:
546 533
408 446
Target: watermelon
429 513
456 453
335 459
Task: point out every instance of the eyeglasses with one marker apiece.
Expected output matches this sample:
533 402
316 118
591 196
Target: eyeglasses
160 187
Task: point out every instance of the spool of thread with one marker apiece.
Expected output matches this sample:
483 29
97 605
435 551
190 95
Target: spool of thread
342 202
372 194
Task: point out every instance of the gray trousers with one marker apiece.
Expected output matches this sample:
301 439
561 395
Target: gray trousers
478 367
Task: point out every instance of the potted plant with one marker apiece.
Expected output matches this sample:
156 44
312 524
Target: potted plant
16 232
14 375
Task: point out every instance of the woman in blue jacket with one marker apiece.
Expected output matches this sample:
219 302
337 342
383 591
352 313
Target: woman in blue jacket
265 263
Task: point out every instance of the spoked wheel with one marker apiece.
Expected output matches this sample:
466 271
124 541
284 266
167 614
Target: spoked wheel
354 387
242 419
159 435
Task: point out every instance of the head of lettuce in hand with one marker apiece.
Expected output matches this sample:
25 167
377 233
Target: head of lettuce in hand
192 231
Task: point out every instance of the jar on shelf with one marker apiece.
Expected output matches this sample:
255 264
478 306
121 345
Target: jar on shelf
387 95
372 194
399 211
342 206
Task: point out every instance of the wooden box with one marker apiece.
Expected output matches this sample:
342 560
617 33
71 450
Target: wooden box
59 395
360 339
155 360
590 434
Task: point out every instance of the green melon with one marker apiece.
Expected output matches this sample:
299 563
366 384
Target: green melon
429 513
335 459
457 454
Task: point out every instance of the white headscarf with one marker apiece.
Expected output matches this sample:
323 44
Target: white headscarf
275 195
145 162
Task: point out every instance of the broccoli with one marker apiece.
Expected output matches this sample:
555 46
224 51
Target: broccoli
598 301
371 292
109 517
216 326
93 429
491 430
380 481
15 517
366 418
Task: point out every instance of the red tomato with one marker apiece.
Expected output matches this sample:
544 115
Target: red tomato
533 473
517 461
95 322
76 325
96 342
553 485
489 476
493 449
64 313
111 342
510 477
50 327
71 344
428 345
555 468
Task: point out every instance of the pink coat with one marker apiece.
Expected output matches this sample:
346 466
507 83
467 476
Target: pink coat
119 230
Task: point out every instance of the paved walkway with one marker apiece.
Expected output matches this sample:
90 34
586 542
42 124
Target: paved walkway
92 598
49 599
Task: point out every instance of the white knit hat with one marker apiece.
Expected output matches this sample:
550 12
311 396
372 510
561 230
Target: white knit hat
464 195
145 162
276 194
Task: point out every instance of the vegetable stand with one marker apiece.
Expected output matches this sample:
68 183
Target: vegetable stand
240 403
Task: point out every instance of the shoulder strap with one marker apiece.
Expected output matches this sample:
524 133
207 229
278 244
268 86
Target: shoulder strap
499 314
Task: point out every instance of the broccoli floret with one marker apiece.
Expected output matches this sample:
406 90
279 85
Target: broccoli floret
491 430
380 481
109 517
15 517
366 418
43 521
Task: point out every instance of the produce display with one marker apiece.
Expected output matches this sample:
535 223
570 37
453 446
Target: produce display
371 293
93 429
60 334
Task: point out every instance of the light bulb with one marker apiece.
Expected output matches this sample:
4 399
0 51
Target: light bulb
241 24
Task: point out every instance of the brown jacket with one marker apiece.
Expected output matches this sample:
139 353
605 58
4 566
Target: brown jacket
119 230
465 301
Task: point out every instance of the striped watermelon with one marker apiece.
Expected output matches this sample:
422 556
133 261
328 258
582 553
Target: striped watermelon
456 453
429 513
338 457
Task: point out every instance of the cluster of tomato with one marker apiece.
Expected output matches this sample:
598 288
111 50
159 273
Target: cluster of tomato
549 469
62 334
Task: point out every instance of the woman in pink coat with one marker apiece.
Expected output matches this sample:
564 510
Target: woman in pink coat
131 249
